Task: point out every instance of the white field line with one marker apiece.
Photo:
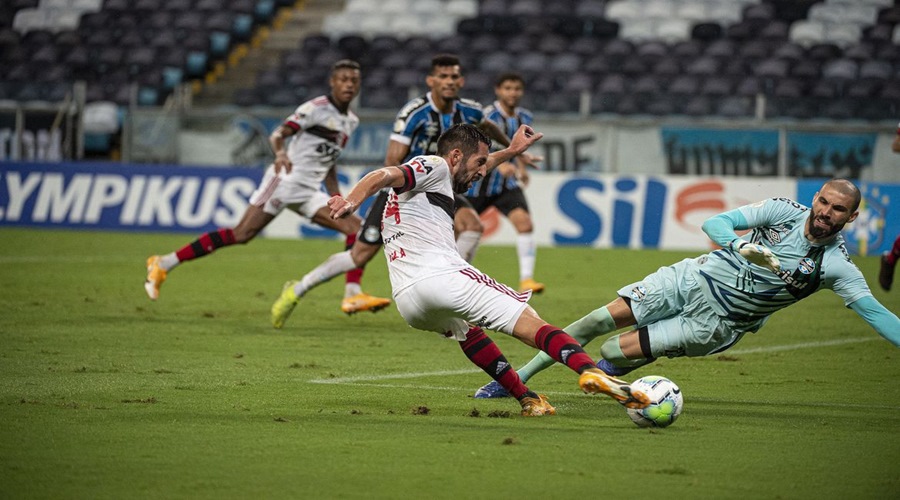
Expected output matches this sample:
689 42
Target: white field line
409 375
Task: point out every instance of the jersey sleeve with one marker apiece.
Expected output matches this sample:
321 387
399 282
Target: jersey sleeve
845 278
303 117
771 212
406 122
422 173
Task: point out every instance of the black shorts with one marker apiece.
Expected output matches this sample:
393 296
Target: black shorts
506 201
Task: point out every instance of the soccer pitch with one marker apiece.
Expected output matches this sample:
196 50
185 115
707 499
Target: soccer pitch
104 394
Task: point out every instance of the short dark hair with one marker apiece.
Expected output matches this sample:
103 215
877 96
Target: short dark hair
464 136
442 60
345 64
509 76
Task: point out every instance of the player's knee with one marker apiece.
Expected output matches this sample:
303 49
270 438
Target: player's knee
243 236
612 352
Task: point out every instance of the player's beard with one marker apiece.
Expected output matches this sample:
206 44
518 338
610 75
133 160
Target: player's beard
461 180
820 233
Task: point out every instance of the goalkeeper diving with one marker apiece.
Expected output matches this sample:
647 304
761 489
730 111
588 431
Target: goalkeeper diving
704 305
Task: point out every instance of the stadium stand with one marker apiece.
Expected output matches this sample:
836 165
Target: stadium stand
836 58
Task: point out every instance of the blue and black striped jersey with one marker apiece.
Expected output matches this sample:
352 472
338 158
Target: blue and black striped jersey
494 183
419 123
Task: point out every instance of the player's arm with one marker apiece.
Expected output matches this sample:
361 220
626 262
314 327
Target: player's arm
277 143
524 137
720 228
878 317
370 184
496 134
396 153
331 181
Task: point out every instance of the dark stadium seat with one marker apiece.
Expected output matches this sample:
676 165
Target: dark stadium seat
698 106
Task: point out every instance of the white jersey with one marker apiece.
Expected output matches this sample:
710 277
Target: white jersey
417 224
323 133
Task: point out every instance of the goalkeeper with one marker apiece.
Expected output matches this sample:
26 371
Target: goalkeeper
704 305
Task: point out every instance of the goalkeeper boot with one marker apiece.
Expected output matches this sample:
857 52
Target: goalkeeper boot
284 306
886 273
363 302
594 381
611 369
536 407
156 276
530 284
491 390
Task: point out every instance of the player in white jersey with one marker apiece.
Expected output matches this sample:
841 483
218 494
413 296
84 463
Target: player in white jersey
703 306
320 129
437 290
890 258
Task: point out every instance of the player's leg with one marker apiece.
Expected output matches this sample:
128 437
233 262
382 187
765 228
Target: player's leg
158 266
564 349
467 227
888 263
596 323
366 244
511 202
484 353
350 226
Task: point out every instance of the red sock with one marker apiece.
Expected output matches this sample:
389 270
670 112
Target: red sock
354 275
895 253
205 244
563 348
482 351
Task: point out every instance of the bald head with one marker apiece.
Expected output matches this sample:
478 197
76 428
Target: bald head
846 188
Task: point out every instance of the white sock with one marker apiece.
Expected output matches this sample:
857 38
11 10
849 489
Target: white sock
335 265
467 244
169 261
351 289
526 249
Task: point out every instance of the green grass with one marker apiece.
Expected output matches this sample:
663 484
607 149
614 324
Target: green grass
104 394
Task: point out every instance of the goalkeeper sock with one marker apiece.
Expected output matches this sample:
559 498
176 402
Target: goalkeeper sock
597 322
485 354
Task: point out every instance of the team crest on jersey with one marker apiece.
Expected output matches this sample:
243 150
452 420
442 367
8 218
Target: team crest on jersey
806 266
372 233
638 293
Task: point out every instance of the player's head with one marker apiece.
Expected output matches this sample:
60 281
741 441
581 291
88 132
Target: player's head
345 80
466 149
836 204
509 87
445 77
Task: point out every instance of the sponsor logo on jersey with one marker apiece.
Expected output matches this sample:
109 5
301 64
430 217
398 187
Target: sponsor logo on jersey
638 293
806 266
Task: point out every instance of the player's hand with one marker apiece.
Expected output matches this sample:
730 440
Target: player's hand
340 207
507 169
524 137
759 255
531 160
282 163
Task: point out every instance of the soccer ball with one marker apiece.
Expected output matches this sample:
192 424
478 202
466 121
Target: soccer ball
665 402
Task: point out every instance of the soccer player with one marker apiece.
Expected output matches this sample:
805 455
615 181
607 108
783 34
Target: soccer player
502 188
889 259
416 130
704 305
435 289
321 128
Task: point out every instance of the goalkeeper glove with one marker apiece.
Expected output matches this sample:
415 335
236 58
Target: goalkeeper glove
757 254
